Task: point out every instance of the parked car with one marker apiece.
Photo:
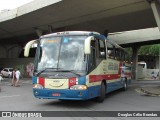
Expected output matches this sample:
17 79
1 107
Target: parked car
7 72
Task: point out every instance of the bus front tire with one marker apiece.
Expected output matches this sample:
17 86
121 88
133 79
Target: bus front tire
102 95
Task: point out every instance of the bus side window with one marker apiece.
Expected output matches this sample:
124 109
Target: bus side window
118 54
102 51
92 56
110 51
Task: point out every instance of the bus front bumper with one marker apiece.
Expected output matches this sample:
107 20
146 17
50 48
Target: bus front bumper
66 94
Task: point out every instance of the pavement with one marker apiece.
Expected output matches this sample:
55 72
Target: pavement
150 90
7 81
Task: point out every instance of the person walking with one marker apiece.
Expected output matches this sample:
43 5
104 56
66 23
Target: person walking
13 77
17 74
1 78
158 76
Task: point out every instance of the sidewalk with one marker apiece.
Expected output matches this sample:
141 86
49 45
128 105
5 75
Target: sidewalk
26 80
149 89
148 79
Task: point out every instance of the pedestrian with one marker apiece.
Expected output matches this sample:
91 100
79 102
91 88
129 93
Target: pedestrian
17 73
158 76
1 78
13 77
153 75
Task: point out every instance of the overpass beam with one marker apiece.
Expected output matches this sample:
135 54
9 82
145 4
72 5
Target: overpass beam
39 32
135 49
155 5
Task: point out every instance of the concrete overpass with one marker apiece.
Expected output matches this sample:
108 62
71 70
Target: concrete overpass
136 37
41 17
21 25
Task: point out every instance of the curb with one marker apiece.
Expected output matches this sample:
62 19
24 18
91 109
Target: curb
149 90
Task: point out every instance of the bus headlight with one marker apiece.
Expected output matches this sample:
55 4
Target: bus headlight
78 87
38 86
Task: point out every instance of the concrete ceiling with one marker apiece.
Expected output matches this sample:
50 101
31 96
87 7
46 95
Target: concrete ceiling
92 15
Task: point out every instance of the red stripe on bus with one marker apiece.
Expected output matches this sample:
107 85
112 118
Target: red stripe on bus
42 81
120 68
96 78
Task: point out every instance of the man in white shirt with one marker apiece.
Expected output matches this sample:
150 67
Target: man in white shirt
17 73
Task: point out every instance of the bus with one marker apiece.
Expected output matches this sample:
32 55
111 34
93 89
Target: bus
78 65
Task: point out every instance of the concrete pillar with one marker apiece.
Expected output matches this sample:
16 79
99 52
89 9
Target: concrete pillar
159 63
11 50
135 49
155 5
3 51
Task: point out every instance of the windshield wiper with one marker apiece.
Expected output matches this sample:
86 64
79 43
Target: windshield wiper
45 70
72 71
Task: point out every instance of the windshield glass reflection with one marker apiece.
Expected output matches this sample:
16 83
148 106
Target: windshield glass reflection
65 53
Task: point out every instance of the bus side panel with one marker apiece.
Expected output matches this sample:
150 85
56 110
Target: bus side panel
108 70
111 86
93 91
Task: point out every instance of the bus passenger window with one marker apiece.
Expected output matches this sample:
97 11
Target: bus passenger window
111 54
92 57
102 49
110 51
118 54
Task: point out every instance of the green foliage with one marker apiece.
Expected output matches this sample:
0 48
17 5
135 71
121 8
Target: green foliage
129 55
153 50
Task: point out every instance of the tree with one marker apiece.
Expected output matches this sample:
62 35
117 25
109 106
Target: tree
129 55
153 50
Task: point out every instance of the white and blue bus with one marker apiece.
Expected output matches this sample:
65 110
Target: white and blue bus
78 65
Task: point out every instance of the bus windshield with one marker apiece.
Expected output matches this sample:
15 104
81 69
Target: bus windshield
62 53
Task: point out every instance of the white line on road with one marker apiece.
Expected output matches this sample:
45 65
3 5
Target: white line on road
9 96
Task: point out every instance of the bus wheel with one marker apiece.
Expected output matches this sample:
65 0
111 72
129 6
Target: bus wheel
102 93
125 85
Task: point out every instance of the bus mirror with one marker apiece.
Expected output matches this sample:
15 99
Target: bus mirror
87 46
27 47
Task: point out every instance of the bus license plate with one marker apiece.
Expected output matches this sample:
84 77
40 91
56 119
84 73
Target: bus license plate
55 94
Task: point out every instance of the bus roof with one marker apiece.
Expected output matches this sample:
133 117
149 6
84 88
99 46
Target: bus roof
87 33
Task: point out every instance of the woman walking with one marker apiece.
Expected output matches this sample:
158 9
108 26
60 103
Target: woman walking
17 73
